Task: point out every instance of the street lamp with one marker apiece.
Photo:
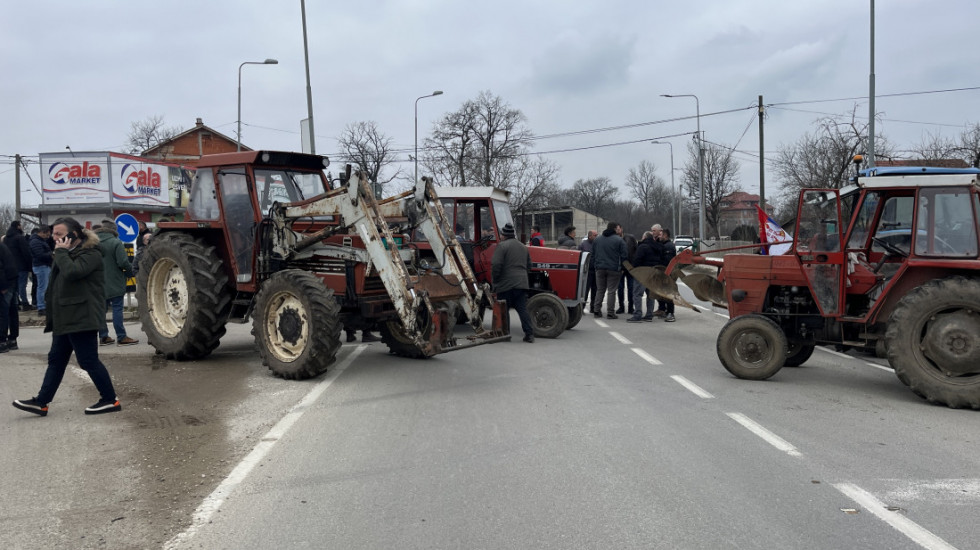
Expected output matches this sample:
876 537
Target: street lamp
435 93
673 211
697 104
266 62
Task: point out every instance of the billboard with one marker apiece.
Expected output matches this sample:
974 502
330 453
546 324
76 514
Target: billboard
75 178
113 178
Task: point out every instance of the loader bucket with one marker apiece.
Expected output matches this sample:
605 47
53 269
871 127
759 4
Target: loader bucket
660 285
707 288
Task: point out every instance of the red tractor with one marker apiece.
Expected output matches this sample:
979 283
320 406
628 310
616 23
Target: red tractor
888 263
558 277
266 237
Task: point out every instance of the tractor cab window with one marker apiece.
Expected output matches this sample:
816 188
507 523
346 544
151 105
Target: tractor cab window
864 221
895 223
946 225
203 204
818 227
463 221
501 211
485 220
285 186
239 219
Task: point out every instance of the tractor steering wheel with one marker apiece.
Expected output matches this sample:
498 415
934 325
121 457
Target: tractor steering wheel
892 249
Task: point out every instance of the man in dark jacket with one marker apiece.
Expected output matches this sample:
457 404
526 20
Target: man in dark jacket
610 253
648 254
8 299
509 268
667 306
17 243
567 240
627 282
76 303
42 259
117 269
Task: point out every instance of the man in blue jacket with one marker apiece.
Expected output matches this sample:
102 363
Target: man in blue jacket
610 253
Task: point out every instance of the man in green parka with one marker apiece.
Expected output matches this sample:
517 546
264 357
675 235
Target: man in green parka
117 268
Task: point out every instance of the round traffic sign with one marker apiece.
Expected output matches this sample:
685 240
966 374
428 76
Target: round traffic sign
127 227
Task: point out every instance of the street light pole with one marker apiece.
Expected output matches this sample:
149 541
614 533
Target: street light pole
435 93
697 104
309 90
673 212
238 139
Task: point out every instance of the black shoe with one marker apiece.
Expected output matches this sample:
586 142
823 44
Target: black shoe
612 316
598 315
4 348
351 337
630 310
669 318
634 319
40 313
529 338
11 345
620 311
366 336
32 406
648 319
104 406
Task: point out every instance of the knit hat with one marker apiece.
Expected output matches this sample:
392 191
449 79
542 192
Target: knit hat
507 230
108 223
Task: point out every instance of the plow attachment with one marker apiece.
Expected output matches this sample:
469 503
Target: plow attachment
660 285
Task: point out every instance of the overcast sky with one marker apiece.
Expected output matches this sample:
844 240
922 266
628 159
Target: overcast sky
79 73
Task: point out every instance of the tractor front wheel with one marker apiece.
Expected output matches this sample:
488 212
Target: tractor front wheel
752 347
549 316
296 325
933 341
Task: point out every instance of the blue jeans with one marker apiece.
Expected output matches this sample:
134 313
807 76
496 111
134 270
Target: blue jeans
638 294
43 272
517 298
22 277
116 304
86 348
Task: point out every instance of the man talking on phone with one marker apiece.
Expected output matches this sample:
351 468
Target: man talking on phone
75 309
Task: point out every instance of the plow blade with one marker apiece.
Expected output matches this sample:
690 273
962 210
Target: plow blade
707 288
660 285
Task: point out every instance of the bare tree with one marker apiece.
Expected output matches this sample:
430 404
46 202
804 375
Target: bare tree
478 143
595 196
362 144
822 159
644 184
721 175
148 133
935 148
534 181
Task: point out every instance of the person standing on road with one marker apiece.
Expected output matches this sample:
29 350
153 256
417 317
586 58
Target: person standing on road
648 254
42 259
509 268
17 243
610 252
117 269
567 240
626 281
76 309
586 246
9 320
667 306
536 238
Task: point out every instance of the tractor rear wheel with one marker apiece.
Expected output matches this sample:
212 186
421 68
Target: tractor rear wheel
296 325
798 354
574 316
752 347
933 341
183 296
549 316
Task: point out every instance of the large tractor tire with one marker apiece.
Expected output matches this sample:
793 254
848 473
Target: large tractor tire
574 316
752 347
296 325
549 316
393 335
798 354
183 296
933 341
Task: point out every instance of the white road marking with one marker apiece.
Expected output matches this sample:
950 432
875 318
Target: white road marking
621 338
692 387
765 434
904 525
212 502
601 323
877 366
646 356
832 352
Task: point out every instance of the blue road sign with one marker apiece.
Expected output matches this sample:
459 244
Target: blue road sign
127 227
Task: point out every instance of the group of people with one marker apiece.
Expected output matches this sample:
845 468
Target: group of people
86 277
22 258
609 279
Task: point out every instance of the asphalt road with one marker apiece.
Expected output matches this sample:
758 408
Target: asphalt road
614 435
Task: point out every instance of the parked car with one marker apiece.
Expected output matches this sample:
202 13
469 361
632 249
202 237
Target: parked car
683 241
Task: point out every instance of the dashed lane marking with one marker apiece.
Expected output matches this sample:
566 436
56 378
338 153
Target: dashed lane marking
646 356
904 525
765 434
692 387
621 338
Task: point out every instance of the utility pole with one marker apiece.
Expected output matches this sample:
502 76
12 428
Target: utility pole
762 157
16 185
871 95
309 90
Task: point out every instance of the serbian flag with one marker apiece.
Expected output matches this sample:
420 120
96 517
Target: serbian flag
770 232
